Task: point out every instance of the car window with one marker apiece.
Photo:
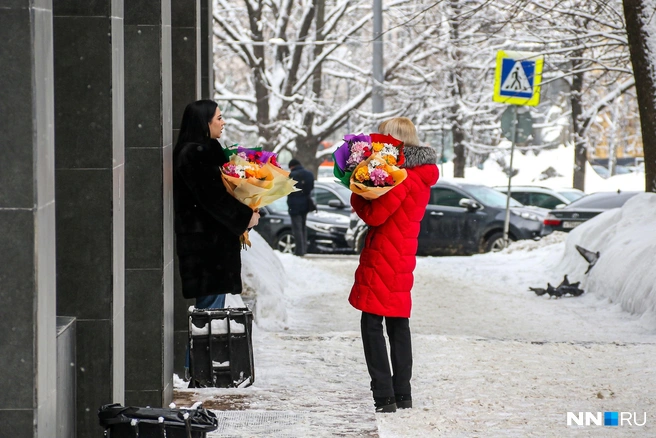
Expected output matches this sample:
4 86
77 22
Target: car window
521 197
490 197
279 205
544 200
323 196
446 197
343 192
571 195
602 200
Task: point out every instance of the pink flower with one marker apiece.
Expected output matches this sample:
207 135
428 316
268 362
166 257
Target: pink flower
378 177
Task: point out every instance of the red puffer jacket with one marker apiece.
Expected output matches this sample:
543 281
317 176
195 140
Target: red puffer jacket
384 277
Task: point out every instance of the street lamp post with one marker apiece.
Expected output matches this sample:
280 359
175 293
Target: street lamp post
377 100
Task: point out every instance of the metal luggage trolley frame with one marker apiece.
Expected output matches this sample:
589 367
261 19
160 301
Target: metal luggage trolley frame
221 347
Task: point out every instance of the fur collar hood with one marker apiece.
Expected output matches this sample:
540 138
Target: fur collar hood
419 155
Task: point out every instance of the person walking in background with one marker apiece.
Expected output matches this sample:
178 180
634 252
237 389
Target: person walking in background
208 220
384 277
300 203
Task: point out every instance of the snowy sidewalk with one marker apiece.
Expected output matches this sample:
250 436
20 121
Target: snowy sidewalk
491 359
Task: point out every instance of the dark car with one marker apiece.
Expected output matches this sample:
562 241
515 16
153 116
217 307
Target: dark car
543 197
581 210
332 197
325 230
465 219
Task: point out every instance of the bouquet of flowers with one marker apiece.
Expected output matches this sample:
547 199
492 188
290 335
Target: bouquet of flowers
368 164
254 178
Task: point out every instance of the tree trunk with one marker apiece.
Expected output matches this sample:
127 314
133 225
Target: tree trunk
259 75
459 156
459 152
306 153
638 13
580 148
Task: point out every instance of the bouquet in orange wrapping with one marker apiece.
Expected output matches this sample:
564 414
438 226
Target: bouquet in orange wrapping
368 164
254 178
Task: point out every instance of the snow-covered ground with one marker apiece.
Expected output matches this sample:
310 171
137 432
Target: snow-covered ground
491 359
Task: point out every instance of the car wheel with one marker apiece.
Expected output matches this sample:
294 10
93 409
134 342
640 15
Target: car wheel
285 242
495 243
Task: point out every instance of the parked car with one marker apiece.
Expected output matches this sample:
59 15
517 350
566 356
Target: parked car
325 230
464 219
542 196
332 197
601 171
581 210
604 172
356 233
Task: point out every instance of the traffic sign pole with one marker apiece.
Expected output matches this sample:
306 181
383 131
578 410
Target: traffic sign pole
506 222
517 81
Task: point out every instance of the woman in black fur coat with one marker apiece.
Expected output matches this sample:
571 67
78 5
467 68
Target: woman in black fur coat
208 220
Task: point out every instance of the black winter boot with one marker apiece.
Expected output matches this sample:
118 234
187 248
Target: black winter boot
385 404
403 401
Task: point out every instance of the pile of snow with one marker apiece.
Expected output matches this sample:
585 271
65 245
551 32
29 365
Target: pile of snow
218 326
528 245
626 240
264 279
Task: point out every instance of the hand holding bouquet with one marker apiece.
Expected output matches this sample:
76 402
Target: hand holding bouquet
254 178
367 164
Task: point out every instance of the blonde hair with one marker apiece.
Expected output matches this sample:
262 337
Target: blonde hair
400 128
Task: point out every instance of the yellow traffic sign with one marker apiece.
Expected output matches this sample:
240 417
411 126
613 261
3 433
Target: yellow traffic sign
517 78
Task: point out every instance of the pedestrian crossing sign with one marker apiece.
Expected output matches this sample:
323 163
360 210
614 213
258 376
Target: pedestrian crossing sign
517 78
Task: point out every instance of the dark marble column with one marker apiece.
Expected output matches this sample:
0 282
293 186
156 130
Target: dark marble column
89 161
148 204
186 78
206 50
28 354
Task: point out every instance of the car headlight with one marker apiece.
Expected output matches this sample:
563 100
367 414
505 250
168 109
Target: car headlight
527 215
326 228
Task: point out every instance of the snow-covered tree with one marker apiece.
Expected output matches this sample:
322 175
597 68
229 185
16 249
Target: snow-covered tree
585 43
295 71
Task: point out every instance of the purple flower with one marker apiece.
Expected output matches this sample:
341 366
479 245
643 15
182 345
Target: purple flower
341 155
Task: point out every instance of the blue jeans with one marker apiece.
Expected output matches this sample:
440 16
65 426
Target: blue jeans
207 302
211 302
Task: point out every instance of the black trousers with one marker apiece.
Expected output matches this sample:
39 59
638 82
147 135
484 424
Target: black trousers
386 383
299 230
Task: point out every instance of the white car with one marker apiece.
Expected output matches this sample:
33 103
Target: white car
543 196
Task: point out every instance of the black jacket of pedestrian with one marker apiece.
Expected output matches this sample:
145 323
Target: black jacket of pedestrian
208 222
299 202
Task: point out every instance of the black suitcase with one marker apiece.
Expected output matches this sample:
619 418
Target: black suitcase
221 348
133 422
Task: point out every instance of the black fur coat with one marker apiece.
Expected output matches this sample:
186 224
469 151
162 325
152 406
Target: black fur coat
208 222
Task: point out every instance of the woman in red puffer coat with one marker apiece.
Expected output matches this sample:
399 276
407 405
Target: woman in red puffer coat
384 277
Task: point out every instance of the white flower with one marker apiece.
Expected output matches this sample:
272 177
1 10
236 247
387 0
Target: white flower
374 164
241 171
390 150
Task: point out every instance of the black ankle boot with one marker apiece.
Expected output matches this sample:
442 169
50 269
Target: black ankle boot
403 401
385 404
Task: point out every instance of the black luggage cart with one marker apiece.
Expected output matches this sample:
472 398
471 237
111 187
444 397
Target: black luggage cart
137 422
221 347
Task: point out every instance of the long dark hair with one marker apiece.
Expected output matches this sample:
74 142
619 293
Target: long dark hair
194 127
